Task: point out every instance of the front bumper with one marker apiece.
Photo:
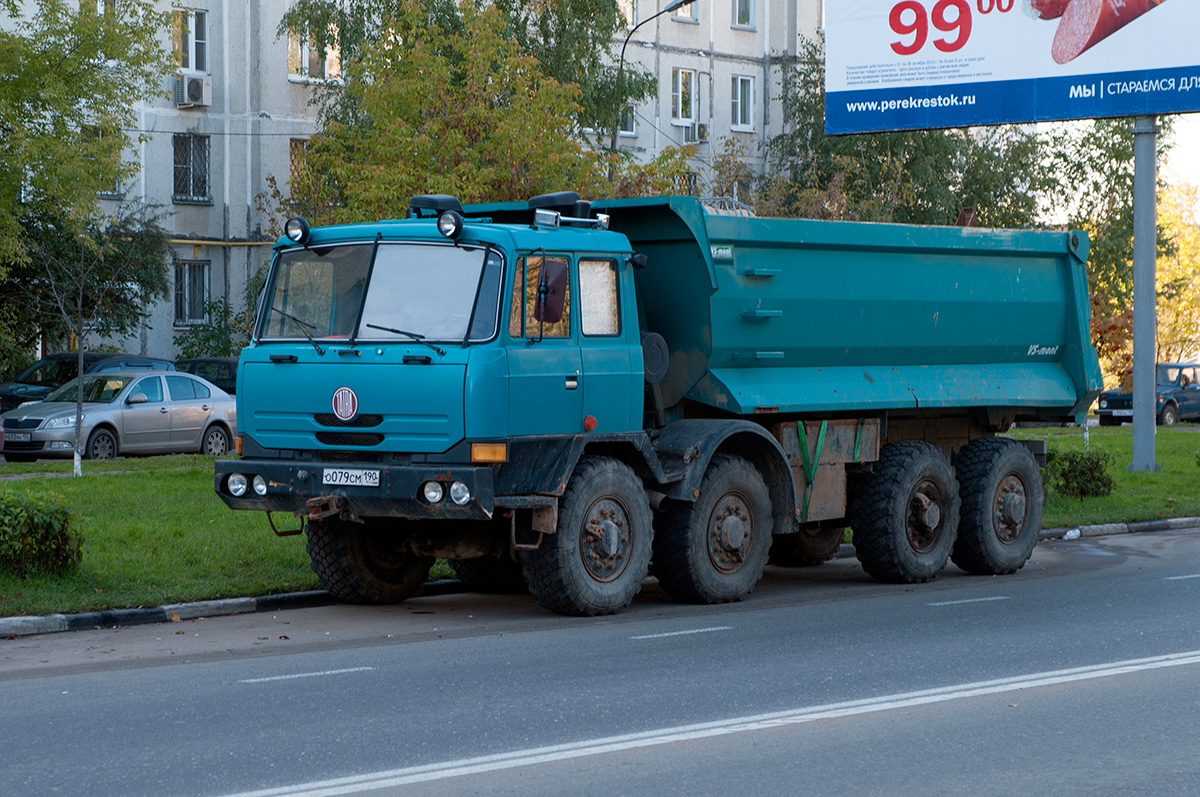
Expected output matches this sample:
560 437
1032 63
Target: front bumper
399 494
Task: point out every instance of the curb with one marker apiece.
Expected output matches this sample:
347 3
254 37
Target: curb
13 627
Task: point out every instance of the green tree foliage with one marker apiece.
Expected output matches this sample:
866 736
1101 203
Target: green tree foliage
919 177
69 76
572 40
454 105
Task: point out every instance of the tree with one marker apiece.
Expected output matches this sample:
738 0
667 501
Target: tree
918 177
95 279
572 40
453 105
1179 275
70 77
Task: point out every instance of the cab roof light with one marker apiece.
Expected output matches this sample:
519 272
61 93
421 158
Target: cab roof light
296 229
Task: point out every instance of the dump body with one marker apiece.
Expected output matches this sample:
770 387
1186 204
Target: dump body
799 316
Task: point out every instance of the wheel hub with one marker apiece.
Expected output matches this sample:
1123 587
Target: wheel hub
604 542
924 522
1009 508
730 533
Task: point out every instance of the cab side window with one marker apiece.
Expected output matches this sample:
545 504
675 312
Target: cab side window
599 304
522 321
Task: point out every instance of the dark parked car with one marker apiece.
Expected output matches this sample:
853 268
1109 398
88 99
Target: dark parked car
221 371
37 381
1178 397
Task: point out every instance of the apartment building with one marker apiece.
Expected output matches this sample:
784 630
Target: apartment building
237 108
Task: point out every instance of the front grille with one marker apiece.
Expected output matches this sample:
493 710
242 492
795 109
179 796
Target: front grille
23 448
23 423
1120 404
360 422
349 438
350 457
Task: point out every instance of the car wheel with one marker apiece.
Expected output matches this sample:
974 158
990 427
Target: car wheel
216 442
102 444
1168 416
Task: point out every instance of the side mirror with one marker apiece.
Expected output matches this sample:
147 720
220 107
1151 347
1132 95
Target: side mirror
137 398
638 261
552 292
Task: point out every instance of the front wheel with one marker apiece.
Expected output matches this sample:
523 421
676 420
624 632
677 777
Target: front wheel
1168 416
713 550
599 555
361 563
905 513
1001 506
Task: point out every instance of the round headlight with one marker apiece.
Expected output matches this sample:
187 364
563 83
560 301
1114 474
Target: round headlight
260 485
433 492
450 224
296 230
1103 404
460 493
237 485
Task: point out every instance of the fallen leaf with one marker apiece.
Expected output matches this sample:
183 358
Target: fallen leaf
285 636
175 618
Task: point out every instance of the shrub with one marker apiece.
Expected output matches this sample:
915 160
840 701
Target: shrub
35 535
1079 474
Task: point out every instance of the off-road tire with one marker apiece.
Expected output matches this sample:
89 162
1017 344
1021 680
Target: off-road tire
599 555
1002 494
713 550
807 548
364 563
897 539
101 444
489 574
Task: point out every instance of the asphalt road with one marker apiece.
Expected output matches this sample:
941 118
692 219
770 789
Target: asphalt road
1080 674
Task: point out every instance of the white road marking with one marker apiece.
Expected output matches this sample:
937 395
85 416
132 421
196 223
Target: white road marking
304 675
685 633
971 600
1182 578
614 744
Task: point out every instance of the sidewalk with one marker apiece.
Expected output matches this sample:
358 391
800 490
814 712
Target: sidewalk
13 627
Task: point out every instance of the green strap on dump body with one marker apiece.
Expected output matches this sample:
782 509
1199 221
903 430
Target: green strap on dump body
858 436
810 468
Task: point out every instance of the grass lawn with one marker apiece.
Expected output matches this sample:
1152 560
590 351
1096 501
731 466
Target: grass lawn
154 532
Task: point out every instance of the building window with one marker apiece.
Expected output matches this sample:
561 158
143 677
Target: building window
628 11
306 60
687 13
190 34
743 102
191 168
113 190
743 13
628 122
191 292
683 96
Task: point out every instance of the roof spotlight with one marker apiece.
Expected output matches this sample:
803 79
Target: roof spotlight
296 229
450 224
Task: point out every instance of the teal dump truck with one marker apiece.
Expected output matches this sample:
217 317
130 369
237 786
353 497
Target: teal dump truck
554 394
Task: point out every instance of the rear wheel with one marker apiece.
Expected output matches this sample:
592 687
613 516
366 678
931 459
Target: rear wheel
713 550
487 574
102 444
216 441
806 548
364 563
905 513
599 555
1001 506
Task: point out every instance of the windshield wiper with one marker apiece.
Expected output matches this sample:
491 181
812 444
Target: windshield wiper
418 338
302 324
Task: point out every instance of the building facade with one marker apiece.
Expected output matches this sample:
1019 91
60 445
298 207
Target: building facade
237 108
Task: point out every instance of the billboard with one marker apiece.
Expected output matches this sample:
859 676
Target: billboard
909 64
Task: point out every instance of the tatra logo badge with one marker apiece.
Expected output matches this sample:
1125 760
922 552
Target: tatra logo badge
345 404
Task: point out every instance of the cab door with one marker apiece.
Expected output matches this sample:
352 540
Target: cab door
611 354
545 385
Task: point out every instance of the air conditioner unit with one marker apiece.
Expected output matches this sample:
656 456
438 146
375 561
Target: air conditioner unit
695 133
193 90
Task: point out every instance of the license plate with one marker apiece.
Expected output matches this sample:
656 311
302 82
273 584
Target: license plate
351 477
1123 413
18 437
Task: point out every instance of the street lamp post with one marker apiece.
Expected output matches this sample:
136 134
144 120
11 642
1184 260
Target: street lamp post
671 6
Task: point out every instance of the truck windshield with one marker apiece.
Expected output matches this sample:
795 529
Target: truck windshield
426 291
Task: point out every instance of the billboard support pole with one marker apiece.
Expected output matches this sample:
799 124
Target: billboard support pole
1145 322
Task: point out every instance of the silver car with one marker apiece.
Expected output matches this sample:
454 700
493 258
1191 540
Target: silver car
124 412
